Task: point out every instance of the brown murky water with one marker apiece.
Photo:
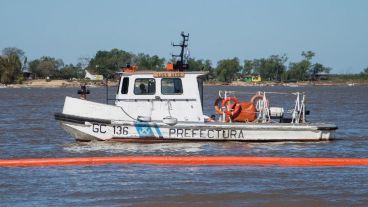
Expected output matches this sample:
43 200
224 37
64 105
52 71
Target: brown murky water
28 129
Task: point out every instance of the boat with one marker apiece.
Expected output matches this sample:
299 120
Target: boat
167 106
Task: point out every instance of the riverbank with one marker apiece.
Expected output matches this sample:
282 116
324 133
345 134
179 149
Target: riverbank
41 83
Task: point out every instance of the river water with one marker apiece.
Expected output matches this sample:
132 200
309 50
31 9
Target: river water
28 129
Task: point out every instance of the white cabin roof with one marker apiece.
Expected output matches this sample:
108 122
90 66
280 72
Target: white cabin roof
142 72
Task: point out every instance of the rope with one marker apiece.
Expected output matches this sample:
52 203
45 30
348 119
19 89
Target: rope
168 107
127 114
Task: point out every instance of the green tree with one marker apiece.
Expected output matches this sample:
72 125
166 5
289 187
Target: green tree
227 69
308 55
70 71
199 65
364 72
10 69
301 70
108 62
207 66
146 62
11 66
305 70
318 68
248 67
270 68
46 67
15 51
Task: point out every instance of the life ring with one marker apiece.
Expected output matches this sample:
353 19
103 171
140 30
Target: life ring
234 110
257 98
217 107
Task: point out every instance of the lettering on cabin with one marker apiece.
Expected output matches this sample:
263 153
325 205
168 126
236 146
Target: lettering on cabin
168 74
206 133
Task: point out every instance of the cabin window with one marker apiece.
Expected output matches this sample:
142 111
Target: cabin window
171 86
125 85
144 86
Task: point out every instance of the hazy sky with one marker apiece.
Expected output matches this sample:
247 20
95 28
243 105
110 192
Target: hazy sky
336 30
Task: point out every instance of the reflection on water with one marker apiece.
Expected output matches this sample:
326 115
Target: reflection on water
28 129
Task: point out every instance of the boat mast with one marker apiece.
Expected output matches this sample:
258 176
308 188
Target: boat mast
180 65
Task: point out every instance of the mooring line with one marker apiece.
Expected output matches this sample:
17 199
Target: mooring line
188 160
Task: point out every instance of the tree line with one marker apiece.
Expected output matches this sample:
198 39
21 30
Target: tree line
13 64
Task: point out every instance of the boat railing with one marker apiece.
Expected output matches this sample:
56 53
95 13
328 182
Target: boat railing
263 108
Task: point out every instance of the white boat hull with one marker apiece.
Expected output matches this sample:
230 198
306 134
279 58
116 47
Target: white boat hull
87 130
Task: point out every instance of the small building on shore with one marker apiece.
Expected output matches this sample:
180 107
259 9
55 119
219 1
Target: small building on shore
253 78
321 76
93 77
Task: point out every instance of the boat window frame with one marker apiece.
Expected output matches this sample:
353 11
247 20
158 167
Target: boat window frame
118 87
200 89
125 86
139 79
181 84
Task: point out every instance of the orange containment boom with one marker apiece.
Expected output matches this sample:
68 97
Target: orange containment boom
188 160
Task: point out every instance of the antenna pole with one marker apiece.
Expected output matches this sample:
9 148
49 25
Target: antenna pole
184 43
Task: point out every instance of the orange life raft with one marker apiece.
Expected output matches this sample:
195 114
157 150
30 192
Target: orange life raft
238 112
247 113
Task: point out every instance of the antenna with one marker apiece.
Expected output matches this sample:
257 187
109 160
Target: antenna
183 44
24 64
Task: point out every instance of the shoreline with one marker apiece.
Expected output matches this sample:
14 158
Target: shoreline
42 83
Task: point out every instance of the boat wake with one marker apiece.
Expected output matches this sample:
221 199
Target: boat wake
130 148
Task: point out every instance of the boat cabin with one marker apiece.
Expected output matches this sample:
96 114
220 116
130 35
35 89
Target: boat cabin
157 95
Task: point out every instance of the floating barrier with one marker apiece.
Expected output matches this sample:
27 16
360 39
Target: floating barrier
188 160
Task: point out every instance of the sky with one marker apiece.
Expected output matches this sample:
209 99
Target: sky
336 30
